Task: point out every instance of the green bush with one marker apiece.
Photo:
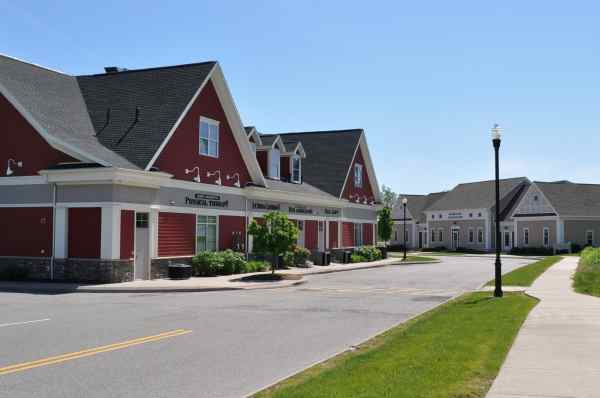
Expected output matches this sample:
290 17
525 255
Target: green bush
14 273
205 264
233 263
587 277
257 266
296 257
219 263
368 253
532 251
357 258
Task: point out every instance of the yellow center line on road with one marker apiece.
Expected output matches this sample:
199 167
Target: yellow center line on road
89 352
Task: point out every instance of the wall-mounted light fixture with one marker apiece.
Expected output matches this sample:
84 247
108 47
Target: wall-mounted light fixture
197 170
235 176
215 173
10 171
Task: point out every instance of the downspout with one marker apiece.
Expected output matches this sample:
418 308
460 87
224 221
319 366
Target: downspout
53 231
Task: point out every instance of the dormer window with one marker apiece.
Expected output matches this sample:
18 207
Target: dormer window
295 167
358 177
274 162
209 137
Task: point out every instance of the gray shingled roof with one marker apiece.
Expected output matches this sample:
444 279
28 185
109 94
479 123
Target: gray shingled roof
475 195
571 199
416 205
158 95
54 101
328 156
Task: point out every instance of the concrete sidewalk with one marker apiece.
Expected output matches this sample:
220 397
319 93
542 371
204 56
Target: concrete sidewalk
227 282
557 352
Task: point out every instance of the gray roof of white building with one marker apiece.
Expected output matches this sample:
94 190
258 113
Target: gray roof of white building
572 199
416 205
476 195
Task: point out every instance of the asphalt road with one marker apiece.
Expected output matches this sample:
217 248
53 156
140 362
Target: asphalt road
229 344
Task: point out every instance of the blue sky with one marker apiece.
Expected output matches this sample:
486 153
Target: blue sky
426 80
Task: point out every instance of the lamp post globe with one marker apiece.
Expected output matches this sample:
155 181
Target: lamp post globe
404 202
496 138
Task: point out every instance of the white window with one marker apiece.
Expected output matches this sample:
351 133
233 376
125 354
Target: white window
209 137
471 235
526 236
274 163
441 235
589 238
432 235
206 234
479 235
546 237
358 177
358 235
295 166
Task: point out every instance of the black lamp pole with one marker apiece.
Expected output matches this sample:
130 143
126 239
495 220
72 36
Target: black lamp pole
496 133
404 201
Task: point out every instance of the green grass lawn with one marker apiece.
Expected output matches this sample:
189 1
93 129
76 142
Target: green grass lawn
526 275
453 351
419 259
587 276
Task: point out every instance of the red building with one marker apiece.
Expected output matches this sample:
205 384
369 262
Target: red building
109 177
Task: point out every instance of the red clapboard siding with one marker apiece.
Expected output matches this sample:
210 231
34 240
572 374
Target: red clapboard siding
363 191
347 234
26 232
84 229
311 235
127 234
368 234
261 157
21 142
176 234
228 225
333 234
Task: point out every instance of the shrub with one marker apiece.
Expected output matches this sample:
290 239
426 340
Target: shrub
296 257
233 263
575 248
14 273
368 253
256 266
205 264
357 258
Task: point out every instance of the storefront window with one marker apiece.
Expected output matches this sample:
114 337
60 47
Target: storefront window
206 234
358 235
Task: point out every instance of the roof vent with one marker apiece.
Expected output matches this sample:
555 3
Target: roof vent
114 69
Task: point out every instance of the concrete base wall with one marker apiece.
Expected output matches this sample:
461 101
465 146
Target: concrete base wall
70 270
159 267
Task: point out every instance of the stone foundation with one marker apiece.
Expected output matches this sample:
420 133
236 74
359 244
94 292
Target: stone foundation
69 270
159 267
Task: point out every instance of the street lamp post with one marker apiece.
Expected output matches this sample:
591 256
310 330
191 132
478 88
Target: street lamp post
496 136
404 201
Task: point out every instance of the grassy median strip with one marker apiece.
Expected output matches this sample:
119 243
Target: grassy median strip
526 275
455 350
587 276
419 259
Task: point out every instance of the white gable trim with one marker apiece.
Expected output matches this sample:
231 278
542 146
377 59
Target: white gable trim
362 144
531 187
257 138
233 118
53 141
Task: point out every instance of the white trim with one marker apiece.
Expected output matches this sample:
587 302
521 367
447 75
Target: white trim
114 175
61 222
19 205
110 233
351 170
53 141
23 180
369 167
210 122
217 222
533 184
254 133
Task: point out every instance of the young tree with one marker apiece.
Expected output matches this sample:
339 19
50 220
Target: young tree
385 224
388 196
273 237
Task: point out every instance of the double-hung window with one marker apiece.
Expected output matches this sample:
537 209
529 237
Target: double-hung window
546 237
358 235
296 173
206 234
432 235
274 162
480 235
471 235
358 177
589 238
441 235
526 236
209 137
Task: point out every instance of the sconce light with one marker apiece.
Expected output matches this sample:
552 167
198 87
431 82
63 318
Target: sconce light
215 173
235 176
197 176
10 171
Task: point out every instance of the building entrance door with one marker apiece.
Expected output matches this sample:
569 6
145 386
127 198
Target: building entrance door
142 245
455 239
